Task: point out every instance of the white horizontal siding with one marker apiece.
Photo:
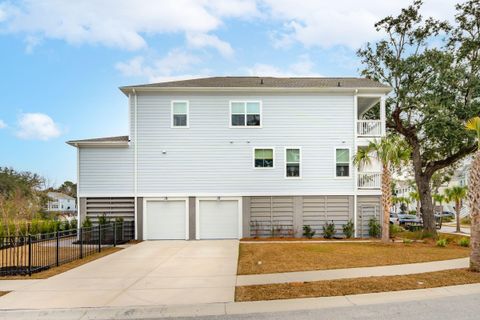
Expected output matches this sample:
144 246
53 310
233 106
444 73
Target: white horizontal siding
210 157
106 171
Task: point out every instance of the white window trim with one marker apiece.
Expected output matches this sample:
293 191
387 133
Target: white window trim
253 158
245 126
300 163
171 114
349 163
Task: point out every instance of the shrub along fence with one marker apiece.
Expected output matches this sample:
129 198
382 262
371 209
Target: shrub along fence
24 255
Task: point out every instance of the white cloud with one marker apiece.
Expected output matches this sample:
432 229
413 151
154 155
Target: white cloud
2 124
302 67
202 40
343 22
37 126
175 65
119 23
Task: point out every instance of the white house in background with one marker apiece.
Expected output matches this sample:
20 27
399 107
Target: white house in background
233 157
404 187
61 202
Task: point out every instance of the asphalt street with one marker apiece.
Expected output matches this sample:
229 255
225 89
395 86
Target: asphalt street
458 308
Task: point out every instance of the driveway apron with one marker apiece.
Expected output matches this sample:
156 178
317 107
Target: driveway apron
149 273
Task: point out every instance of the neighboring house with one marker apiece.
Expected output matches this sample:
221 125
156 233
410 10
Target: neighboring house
233 157
403 189
59 202
459 178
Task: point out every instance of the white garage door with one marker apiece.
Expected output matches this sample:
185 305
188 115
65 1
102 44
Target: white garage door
218 219
166 219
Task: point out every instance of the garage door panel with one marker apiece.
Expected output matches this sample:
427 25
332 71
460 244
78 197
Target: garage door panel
218 219
166 219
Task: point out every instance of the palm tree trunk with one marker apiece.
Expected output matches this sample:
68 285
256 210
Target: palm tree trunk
474 200
386 202
457 211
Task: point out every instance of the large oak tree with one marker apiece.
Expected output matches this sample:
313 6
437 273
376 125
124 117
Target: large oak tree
434 71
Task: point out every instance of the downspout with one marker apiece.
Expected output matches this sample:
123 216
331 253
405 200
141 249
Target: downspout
78 189
135 101
355 173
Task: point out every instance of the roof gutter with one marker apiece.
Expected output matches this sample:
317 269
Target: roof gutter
129 90
79 144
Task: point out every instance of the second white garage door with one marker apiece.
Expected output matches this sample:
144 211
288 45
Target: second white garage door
218 219
166 219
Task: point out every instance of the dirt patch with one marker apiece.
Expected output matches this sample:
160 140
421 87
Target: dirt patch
356 286
287 257
65 267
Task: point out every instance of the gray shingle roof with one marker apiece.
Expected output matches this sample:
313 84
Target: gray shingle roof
266 82
100 140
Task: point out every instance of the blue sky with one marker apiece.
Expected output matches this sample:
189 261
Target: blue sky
61 62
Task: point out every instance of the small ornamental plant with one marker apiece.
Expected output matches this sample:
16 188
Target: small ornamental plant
308 232
329 230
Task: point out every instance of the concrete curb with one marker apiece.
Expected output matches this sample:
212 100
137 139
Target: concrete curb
231 308
394 270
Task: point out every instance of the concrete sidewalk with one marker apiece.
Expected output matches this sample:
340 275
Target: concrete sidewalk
401 269
235 308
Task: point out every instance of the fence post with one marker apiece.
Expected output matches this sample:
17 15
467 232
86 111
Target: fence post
114 233
29 254
99 238
57 249
81 243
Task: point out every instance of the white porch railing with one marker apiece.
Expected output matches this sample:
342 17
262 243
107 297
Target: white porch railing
369 180
369 128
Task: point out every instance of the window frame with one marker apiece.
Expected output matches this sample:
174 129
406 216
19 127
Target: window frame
350 173
263 168
245 102
299 162
173 114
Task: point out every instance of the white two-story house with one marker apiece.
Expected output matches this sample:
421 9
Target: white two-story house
233 157
60 202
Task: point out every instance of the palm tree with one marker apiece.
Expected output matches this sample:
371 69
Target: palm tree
474 198
456 194
391 152
415 196
438 198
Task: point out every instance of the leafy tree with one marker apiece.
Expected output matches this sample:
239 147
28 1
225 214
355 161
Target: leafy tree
21 197
435 88
391 152
456 194
474 198
68 188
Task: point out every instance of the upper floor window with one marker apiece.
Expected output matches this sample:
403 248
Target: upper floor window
179 114
245 114
342 162
263 157
292 162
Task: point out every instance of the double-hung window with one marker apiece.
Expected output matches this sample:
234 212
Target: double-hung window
292 163
180 114
245 114
342 162
263 157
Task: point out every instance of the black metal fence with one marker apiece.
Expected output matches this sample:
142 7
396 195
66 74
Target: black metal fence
24 255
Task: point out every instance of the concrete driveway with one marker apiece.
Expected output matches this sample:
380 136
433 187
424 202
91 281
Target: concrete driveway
149 273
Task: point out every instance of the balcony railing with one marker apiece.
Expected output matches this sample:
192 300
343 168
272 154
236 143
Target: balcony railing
369 128
369 180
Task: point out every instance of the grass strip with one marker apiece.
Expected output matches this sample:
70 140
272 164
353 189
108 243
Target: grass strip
352 286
